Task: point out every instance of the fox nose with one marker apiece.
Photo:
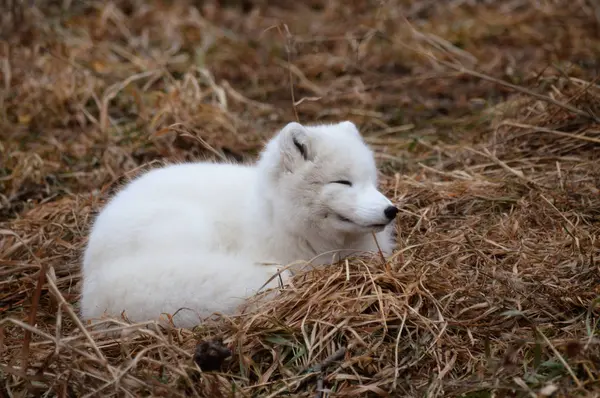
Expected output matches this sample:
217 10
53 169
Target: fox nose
390 212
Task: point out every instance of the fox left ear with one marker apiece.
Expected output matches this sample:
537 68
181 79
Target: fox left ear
295 145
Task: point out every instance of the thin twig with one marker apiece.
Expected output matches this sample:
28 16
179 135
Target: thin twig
54 289
288 51
35 301
520 89
467 71
320 367
550 131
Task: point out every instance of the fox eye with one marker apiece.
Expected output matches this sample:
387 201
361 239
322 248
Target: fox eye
343 182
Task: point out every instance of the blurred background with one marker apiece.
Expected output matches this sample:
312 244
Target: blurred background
95 88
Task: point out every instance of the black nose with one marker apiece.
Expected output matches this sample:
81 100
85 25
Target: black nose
390 212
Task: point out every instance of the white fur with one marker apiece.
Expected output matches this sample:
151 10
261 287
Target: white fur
194 235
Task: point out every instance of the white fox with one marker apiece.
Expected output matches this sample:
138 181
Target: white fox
193 239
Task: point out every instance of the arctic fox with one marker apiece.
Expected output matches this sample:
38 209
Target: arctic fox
199 238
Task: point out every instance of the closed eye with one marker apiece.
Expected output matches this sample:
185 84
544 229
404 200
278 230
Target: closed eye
343 182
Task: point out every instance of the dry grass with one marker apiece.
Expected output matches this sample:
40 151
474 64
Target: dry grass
485 118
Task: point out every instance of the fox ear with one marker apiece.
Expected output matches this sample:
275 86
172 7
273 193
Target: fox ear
295 145
350 127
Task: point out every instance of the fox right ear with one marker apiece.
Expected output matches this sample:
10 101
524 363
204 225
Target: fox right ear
351 127
295 145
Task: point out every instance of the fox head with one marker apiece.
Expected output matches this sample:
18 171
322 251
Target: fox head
323 179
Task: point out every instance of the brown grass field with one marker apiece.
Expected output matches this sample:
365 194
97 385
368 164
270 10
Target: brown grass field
485 119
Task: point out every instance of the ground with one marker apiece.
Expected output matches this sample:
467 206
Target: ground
485 119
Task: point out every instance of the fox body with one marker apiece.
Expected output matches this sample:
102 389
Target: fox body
199 238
